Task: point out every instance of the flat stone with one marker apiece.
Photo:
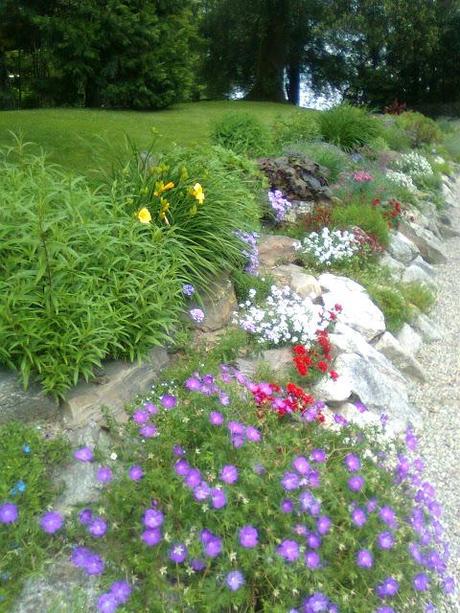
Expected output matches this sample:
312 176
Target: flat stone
358 310
401 248
219 304
120 382
277 249
430 246
403 360
299 281
19 404
409 339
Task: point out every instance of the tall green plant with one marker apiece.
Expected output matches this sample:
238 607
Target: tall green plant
348 126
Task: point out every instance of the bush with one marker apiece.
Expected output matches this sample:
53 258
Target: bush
349 127
392 304
365 216
419 129
395 137
242 133
418 295
324 154
27 460
297 127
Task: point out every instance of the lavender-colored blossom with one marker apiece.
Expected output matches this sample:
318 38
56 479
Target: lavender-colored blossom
279 204
430 608
84 454
216 418
448 585
182 468
178 451
289 550
8 513
107 603
388 516
153 518
148 431
411 440
140 417
371 505
151 408
318 455
188 289
364 558
224 399
253 434
385 610
193 384
104 474
121 590
85 516
234 580
193 478
259 469
290 481
249 537
152 536
237 440
229 474
301 465
178 553
202 491
94 565
197 565
314 540
80 555
213 547
387 588
314 479
323 524
362 408
312 560
51 522
385 540
356 483
287 506
252 252
135 473
316 603
97 527
218 498
197 315
168 401
358 517
421 582
235 427
352 462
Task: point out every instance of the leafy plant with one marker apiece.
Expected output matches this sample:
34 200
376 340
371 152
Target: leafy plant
392 303
419 128
365 216
348 127
242 133
326 155
298 127
418 295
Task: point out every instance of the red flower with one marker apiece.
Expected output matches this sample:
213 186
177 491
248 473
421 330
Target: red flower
322 366
338 308
334 375
299 350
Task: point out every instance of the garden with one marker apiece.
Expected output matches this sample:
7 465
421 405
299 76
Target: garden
259 472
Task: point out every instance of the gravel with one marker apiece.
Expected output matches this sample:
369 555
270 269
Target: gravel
439 401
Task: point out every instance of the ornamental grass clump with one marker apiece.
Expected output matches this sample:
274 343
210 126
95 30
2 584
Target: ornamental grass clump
242 133
349 127
365 216
240 505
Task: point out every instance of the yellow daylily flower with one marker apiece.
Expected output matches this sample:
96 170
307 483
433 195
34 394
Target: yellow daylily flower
198 193
144 216
160 188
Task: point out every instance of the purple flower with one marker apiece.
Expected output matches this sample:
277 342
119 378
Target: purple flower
421 582
253 435
213 547
79 556
358 517
323 524
85 516
385 540
151 537
316 603
193 478
148 431
121 590
218 498
188 289
107 603
135 473
178 450
151 408
448 585
197 315
287 506
104 474
97 527
249 537
318 455
364 558
51 522
8 513
193 384
312 560
229 474
94 565
388 587
182 468
352 462
168 401
237 440
290 481
371 505
356 483
301 465
388 516
289 550
235 427
197 565
234 580
202 491
216 418
84 454
362 408
153 518
140 417
411 440
178 553
314 540
259 469
385 610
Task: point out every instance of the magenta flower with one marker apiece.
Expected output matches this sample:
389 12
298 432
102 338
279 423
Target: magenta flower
107 603
358 517
356 483
104 474
193 478
352 462
85 516
218 498
385 540
290 481
253 435
323 524
301 465
140 417
216 418
51 522
121 590
153 518
318 455
148 431
234 580
84 454
182 468
168 401
249 537
364 558
235 427
229 474
202 491
289 550
193 384
8 513
197 315
178 553
98 527
151 537
151 408
312 560
135 473
314 540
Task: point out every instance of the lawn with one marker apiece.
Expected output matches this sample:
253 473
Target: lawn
82 139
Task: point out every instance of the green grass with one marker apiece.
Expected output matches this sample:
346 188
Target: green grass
82 139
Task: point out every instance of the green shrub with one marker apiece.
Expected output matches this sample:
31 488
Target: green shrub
395 137
418 295
365 216
349 127
244 282
392 304
452 144
242 133
324 154
27 461
297 127
419 129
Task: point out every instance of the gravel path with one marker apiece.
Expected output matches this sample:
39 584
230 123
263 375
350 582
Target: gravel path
439 400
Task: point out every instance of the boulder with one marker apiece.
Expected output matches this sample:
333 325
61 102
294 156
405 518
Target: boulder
404 361
401 248
278 360
369 419
219 304
416 274
277 249
119 383
302 283
423 264
427 329
358 310
430 246
396 268
409 339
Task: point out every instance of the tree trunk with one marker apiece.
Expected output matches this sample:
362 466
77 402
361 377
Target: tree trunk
293 84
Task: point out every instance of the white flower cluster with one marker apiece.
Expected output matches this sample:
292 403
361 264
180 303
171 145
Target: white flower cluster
401 179
285 318
329 246
414 164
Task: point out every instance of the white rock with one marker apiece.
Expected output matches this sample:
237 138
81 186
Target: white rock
302 283
416 274
358 310
369 419
396 268
404 361
428 268
409 339
426 328
430 246
401 248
